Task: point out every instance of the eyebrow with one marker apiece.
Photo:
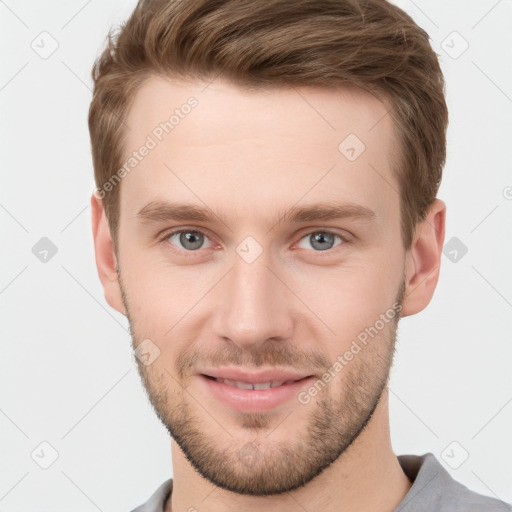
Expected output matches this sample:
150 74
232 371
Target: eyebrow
163 211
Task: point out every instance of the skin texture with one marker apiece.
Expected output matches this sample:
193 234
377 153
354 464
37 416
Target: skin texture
250 157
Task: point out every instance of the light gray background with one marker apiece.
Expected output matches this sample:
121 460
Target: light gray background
66 371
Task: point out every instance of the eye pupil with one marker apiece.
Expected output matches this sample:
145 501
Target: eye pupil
191 240
318 241
191 237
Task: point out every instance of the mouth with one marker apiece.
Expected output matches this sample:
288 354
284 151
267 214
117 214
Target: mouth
256 385
251 392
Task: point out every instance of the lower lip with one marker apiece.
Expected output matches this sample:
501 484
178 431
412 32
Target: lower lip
251 400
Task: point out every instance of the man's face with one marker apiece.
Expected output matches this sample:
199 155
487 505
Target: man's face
257 286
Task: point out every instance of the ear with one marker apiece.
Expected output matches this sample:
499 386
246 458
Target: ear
423 260
106 262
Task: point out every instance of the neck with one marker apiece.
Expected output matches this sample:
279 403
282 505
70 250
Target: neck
366 477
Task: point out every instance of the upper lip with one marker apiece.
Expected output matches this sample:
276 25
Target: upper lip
241 375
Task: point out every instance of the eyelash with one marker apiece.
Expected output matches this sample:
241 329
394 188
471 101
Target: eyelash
164 239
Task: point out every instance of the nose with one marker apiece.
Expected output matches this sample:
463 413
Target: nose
253 305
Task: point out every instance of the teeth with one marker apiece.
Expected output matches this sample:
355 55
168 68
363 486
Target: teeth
236 384
262 385
248 385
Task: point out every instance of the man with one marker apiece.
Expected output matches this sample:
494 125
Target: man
265 213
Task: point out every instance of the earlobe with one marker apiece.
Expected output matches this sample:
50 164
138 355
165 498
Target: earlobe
423 260
106 262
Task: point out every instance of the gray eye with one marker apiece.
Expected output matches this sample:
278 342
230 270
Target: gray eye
189 240
321 240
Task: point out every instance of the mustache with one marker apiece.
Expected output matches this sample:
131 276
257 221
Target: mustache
273 355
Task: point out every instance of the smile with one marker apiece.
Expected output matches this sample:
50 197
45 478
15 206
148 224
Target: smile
248 385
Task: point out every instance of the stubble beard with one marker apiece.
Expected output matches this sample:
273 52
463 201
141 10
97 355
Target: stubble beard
245 459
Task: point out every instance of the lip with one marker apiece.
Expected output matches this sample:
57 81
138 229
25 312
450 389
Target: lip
253 377
253 400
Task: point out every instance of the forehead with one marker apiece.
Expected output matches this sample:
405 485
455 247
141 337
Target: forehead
262 148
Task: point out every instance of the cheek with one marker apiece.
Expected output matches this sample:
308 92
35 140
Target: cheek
161 296
347 298
352 297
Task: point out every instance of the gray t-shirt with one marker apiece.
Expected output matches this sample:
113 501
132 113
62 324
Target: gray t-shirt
433 490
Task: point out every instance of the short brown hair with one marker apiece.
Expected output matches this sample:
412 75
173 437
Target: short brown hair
369 44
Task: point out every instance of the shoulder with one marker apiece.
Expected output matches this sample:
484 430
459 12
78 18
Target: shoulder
156 502
434 489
